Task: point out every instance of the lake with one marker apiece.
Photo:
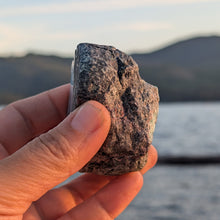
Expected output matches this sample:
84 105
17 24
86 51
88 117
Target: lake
188 129
182 192
177 193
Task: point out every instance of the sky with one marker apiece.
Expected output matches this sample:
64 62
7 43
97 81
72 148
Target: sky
56 27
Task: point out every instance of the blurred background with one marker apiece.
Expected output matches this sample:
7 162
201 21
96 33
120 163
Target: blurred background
177 46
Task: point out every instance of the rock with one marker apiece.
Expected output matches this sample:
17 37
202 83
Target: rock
111 77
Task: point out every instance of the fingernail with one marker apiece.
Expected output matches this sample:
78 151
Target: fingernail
87 119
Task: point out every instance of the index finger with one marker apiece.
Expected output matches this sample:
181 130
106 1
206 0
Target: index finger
23 120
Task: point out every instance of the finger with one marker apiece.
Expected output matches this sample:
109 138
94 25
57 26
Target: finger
51 158
88 184
110 201
3 152
32 214
79 190
23 120
151 159
70 195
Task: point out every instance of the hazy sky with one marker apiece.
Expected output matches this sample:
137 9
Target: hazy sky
52 26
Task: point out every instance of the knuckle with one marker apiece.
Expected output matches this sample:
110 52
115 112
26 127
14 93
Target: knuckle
57 146
102 205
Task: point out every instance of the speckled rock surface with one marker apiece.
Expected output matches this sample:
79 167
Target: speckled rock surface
111 77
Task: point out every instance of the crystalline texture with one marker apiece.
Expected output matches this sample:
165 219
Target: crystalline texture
111 77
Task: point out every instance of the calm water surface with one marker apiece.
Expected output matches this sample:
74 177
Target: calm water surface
177 193
189 129
182 193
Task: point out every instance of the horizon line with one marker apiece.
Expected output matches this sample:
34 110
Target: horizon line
145 51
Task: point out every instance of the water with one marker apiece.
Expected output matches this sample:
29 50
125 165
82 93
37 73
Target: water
177 193
182 193
188 129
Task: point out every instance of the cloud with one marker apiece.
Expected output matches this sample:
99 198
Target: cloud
138 26
8 35
144 26
88 6
18 39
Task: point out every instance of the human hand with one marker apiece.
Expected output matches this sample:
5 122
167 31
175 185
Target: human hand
40 148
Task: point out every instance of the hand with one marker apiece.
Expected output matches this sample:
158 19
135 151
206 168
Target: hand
40 148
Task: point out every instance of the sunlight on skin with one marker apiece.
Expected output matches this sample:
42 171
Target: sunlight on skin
31 172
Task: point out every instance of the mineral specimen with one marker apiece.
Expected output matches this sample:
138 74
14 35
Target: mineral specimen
111 77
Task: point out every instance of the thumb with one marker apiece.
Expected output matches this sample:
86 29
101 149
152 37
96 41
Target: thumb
54 156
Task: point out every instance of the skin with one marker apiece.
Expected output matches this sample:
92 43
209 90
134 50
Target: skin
40 147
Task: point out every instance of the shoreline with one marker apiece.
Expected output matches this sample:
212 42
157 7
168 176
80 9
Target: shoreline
184 160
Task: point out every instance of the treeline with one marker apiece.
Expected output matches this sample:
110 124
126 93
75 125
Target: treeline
185 71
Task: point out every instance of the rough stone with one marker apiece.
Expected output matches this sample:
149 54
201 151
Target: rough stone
111 77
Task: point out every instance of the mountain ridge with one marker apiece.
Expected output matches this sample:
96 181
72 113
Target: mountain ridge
188 70
175 53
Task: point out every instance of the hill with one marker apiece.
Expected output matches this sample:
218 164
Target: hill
188 70
25 76
192 53
185 71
